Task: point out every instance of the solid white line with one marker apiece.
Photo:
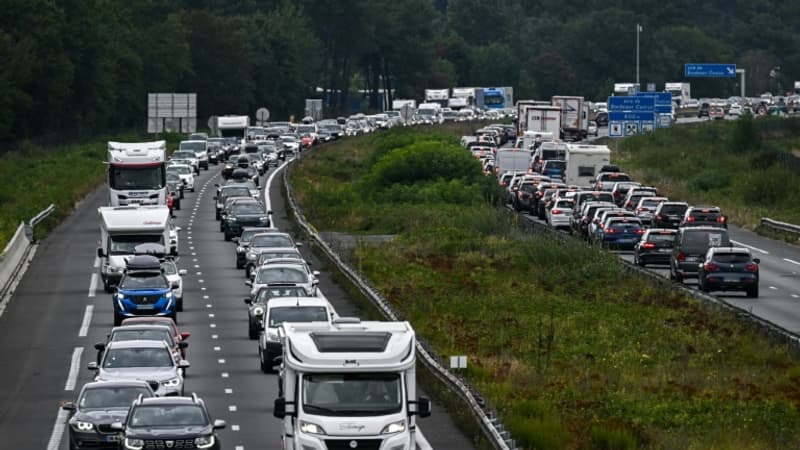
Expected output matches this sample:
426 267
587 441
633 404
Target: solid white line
74 368
239 447
58 430
87 320
422 443
269 183
235 428
791 261
750 247
93 285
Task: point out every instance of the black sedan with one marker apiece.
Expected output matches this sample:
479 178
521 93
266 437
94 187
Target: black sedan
729 269
245 213
655 247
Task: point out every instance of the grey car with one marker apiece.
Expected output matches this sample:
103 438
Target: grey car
257 305
149 361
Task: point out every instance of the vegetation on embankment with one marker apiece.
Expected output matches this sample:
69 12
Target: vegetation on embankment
33 177
572 350
747 166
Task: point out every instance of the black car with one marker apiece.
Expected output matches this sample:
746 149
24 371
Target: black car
99 404
704 216
170 422
244 214
654 247
243 242
226 192
703 110
729 269
602 119
691 246
245 173
669 214
230 166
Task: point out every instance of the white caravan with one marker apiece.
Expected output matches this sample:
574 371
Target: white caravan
584 163
122 228
137 173
349 384
233 126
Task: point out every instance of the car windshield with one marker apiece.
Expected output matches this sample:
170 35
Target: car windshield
247 208
527 187
615 176
710 215
555 165
659 238
281 275
181 170
148 177
731 258
263 257
623 225
183 154
297 314
120 358
111 397
172 177
193 146
352 394
167 416
143 280
651 203
265 294
125 244
564 204
272 240
151 334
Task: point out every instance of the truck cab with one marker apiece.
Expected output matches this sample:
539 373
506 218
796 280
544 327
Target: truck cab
349 384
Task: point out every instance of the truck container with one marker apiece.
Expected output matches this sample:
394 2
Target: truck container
573 115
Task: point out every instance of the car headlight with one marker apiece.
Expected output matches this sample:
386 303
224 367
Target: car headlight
263 218
311 428
168 294
120 296
134 444
204 441
258 311
240 249
272 336
396 427
172 382
83 426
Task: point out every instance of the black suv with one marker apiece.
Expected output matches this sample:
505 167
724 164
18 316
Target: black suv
169 422
669 214
245 213
691 246
704 215
703 110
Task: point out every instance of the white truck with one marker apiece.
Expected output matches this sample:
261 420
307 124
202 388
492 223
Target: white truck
122 228
521 106
398 104
462 97
137 173
348 384
233 126
681 92
440 96
573 116
512 160
543 119
584 162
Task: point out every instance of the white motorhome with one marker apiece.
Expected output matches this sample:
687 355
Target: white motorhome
440 96
137 173
584 162
349 384
681 92
233 126
430 113
122 228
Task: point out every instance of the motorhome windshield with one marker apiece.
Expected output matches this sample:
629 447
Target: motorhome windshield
352 394
138 177
125 244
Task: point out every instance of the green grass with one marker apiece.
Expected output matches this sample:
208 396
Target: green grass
750 168
33 177
571 350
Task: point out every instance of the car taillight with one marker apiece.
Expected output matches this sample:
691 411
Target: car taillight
539 194
681 256
751 267
641 209
721 219
556 211
710 267
609 231
690 219
640 231
617 193
649 245
658 217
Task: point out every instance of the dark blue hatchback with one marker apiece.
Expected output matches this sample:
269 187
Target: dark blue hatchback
622 232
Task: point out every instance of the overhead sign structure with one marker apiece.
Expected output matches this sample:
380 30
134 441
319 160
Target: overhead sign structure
170 112
711 70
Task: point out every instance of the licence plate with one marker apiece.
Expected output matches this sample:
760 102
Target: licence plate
113 438
664 250
731 279
145 307
691 258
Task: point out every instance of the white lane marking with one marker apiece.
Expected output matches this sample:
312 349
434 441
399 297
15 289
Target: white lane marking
194 259
232 408
750 247
422 443
199 273
235 428
795 296
202 289
239 447
269 183
225 375
58 430
214 336
221 360
208 305
228 391
773 288
791 261
74 368
216 349
201 281
96 262
87 320
212 325
210 315
205 297
193 254
197 266
93 285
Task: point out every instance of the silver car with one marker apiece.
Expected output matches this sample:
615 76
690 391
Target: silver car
273 275
149 361
257 306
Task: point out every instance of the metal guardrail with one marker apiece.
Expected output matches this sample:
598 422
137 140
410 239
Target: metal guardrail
17 251
490 424
780 226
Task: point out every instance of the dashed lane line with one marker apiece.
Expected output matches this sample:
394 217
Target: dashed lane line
93 285
87 320
74 368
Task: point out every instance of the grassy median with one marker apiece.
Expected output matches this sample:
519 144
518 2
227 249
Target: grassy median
33 177
573 351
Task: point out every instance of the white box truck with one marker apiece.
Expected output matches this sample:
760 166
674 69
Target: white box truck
122 228
440 96
681 92
572 116
522 106
348 384
512 159
233 126
584 162
137 173
543 119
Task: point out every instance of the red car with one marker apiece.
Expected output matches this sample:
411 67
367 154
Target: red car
147 320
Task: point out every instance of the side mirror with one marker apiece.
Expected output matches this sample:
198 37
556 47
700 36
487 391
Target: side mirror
248 283
298 244
184 364
421 407
248 301
178 228
183 272
219 424
282 408
185 335
236 240
182 344
100 346
92 366
118 426
175 285
68 406
100 252
757 260
315 273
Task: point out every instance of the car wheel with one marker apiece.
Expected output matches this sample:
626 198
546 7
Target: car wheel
221 227
117 319
179 304
192 189
216 215
639 262
264 367
228 236
753 292
239 264
252 331
107 287
703 286
177 206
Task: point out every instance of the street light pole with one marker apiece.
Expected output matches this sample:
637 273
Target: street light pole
638 29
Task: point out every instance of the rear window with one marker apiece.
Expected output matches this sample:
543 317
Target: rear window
658 238
624 224
564 204
709 216
732 257
615 176
674 209
703 239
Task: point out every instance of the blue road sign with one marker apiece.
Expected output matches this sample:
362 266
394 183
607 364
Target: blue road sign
661 98
632 116
710 70
637 103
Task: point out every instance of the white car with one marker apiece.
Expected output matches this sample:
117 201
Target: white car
175 278
558 215
735 110
591 129
186 157
283 275
173 238
200 149
186 174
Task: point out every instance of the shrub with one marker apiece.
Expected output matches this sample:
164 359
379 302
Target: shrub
745 137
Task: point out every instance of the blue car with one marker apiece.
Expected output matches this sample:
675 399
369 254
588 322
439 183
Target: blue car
621 232
144 291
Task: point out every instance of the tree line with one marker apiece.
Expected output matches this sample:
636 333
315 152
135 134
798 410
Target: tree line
87 65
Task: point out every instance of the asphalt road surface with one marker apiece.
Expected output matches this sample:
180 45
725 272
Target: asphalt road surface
60 310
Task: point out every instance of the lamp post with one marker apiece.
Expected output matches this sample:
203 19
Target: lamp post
638 30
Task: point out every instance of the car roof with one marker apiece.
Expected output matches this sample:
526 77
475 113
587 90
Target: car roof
703 228
298 301
137 343
171 401
143 326
130 321
144 262
116 384
730 250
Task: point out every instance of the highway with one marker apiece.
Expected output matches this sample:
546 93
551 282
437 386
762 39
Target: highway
60 310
